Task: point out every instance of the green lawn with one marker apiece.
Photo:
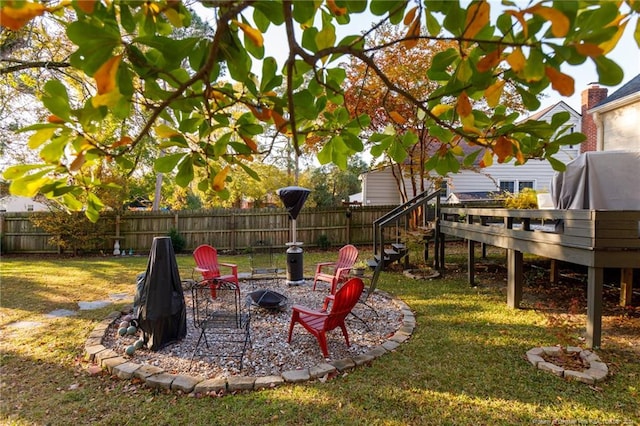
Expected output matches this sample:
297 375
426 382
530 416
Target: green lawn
464 364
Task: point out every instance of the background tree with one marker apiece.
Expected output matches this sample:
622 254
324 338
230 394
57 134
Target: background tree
330 185
134 56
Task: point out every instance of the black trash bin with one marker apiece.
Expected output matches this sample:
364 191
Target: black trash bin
293 198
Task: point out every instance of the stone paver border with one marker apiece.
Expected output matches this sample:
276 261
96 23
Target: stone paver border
596 372
154 377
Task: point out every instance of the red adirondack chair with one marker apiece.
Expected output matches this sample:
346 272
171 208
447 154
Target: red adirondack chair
319 322
207 265
346 259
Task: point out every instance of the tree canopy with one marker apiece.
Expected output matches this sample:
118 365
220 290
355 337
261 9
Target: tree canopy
207 111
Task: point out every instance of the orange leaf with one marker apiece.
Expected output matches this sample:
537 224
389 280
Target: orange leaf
503 148
559 21
463 106
410 16
519 15
414 31
106 75
589 49
608 45
490 61
395 116
280 122
516 60
561 83
125 140
335 9
261 113
55 119
493 93
87 6
16 18
250 143
219 179
77 162
254 35
477 18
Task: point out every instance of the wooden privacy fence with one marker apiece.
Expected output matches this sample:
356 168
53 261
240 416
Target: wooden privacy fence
226 229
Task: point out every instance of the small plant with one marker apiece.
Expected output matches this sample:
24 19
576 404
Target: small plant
178 241
323 242
525 199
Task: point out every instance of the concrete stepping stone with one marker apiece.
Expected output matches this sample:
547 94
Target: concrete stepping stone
60 313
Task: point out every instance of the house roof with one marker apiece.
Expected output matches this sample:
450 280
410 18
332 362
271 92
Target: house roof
630 88
560 105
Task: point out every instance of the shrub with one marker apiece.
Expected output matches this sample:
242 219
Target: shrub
323 242
74 231
526 199
177 240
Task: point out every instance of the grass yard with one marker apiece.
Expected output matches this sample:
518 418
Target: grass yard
464 365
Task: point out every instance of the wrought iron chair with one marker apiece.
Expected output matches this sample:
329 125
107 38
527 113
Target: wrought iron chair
320 322
262 259
222 319
206 258
347 257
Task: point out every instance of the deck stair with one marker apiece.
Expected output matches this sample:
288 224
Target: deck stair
417 217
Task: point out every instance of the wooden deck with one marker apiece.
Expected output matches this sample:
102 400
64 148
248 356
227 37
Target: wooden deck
597 239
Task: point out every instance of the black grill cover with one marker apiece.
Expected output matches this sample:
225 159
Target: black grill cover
293 198
159 302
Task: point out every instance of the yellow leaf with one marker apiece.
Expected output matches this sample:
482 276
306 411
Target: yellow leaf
440 109
607 46
463 106
490 61
87 6
487 159
16 18
410 16
503 148
395 116
559 21
219 179
254 35
414 31
335 9
469 125
164 131
493 93
77 162
108 99
561 83
589 49
477 18
516 60
106 75
457 150
174 17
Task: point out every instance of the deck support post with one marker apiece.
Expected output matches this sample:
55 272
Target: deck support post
554 272
594 307
514 278
471 265
626 286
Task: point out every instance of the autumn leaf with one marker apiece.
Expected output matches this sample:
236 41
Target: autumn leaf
463 106
589 49
477 18
503 148
77 163
395 116
261 113
607 46
490 61
106 75
440 109
516 60
493 93
414 31
487 159
16 18
219 179
87 6
254 35
123 141
559 22
335 9
519 15
55 119
410 16
250 143
280 122
561 83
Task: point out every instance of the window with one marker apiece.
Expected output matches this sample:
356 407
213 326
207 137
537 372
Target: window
507 186
525 184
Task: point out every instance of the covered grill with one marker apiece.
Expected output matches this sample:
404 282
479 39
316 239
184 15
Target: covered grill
159 304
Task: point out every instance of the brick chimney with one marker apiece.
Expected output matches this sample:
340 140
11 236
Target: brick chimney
590 98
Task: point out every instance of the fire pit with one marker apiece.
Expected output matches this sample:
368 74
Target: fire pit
268 299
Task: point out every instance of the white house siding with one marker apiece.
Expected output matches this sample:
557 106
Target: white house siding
621 130
379 188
